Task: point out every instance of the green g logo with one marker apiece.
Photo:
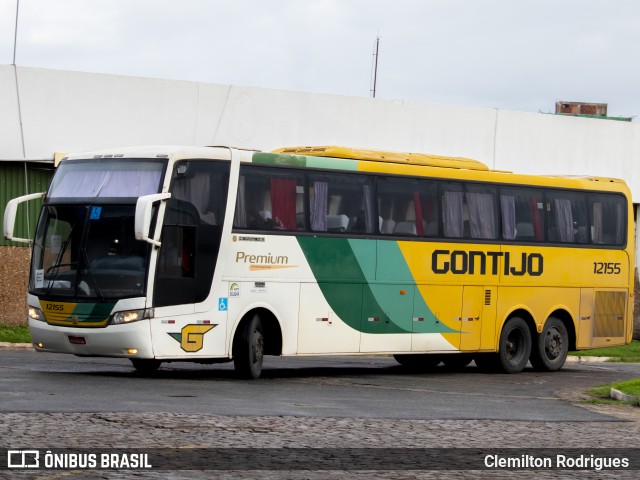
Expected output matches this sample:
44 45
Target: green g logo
191 337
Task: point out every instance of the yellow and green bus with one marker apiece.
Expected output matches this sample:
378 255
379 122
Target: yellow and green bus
161 254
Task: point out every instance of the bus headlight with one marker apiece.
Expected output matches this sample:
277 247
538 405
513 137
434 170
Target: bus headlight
129 316
36 314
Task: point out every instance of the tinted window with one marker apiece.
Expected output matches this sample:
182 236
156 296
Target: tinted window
522 214
480 203
341 203
270 200
567 217
608 215
407 207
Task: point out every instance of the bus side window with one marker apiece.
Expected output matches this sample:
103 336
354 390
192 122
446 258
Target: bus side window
269 200
341 203
607 219
567 212
482 211
453 212
407 207
522 214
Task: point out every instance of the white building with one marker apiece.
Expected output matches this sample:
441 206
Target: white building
48 111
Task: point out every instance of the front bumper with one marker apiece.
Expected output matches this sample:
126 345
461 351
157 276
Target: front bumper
109 341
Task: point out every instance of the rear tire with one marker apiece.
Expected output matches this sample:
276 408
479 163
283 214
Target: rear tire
422 361
248 349
146 366
515 345
551 347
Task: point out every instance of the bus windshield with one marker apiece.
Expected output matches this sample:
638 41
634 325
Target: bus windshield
88 252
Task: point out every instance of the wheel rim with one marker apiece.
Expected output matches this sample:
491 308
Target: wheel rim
257 349
553 343
514 344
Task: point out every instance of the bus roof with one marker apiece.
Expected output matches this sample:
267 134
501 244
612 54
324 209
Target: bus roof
173 152
382 156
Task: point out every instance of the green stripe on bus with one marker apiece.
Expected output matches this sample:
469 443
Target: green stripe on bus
345 270
303 161
92 312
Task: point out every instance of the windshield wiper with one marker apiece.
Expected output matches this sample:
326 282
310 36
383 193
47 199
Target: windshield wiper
57 264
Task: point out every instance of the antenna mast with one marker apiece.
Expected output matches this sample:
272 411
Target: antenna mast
375 66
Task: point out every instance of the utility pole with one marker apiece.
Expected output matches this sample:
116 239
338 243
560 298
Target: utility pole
15 35
375 66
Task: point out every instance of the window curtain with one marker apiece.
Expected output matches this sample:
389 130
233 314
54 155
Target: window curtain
596 231
283 201
98 183
536 218
452 214
368 209
319 206
79 183
482 218
194 190
508 204
419 222
240 219
564 219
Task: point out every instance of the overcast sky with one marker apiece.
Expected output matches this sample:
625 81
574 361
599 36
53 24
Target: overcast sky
512 54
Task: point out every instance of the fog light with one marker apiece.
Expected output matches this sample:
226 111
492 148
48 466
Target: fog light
132 351
39 345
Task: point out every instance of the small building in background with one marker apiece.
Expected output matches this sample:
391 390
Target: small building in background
584 109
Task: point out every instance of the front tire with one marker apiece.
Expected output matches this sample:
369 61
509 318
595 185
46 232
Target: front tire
551 347
146 366
515 345
248 349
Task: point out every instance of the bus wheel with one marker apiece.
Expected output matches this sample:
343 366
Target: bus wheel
248 349
418 360
550 350
515 345
145 365
456 361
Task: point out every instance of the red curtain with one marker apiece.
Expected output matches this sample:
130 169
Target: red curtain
536 218
283 202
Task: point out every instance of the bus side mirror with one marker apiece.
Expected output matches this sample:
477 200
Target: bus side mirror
144 208
10 216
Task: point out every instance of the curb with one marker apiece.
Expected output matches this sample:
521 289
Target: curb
15 345
576 359
623 397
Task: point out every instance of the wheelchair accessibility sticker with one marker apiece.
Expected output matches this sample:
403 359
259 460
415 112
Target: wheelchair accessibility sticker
223 304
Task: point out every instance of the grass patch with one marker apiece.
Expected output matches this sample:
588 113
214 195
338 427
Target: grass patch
630 387
624 353
15 334
602 393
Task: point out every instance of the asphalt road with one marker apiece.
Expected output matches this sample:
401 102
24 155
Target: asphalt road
337 387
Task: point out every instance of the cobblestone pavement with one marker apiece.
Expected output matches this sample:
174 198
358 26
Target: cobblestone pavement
154 430
208 431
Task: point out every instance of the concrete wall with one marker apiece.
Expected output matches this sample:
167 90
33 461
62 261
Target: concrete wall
64 111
